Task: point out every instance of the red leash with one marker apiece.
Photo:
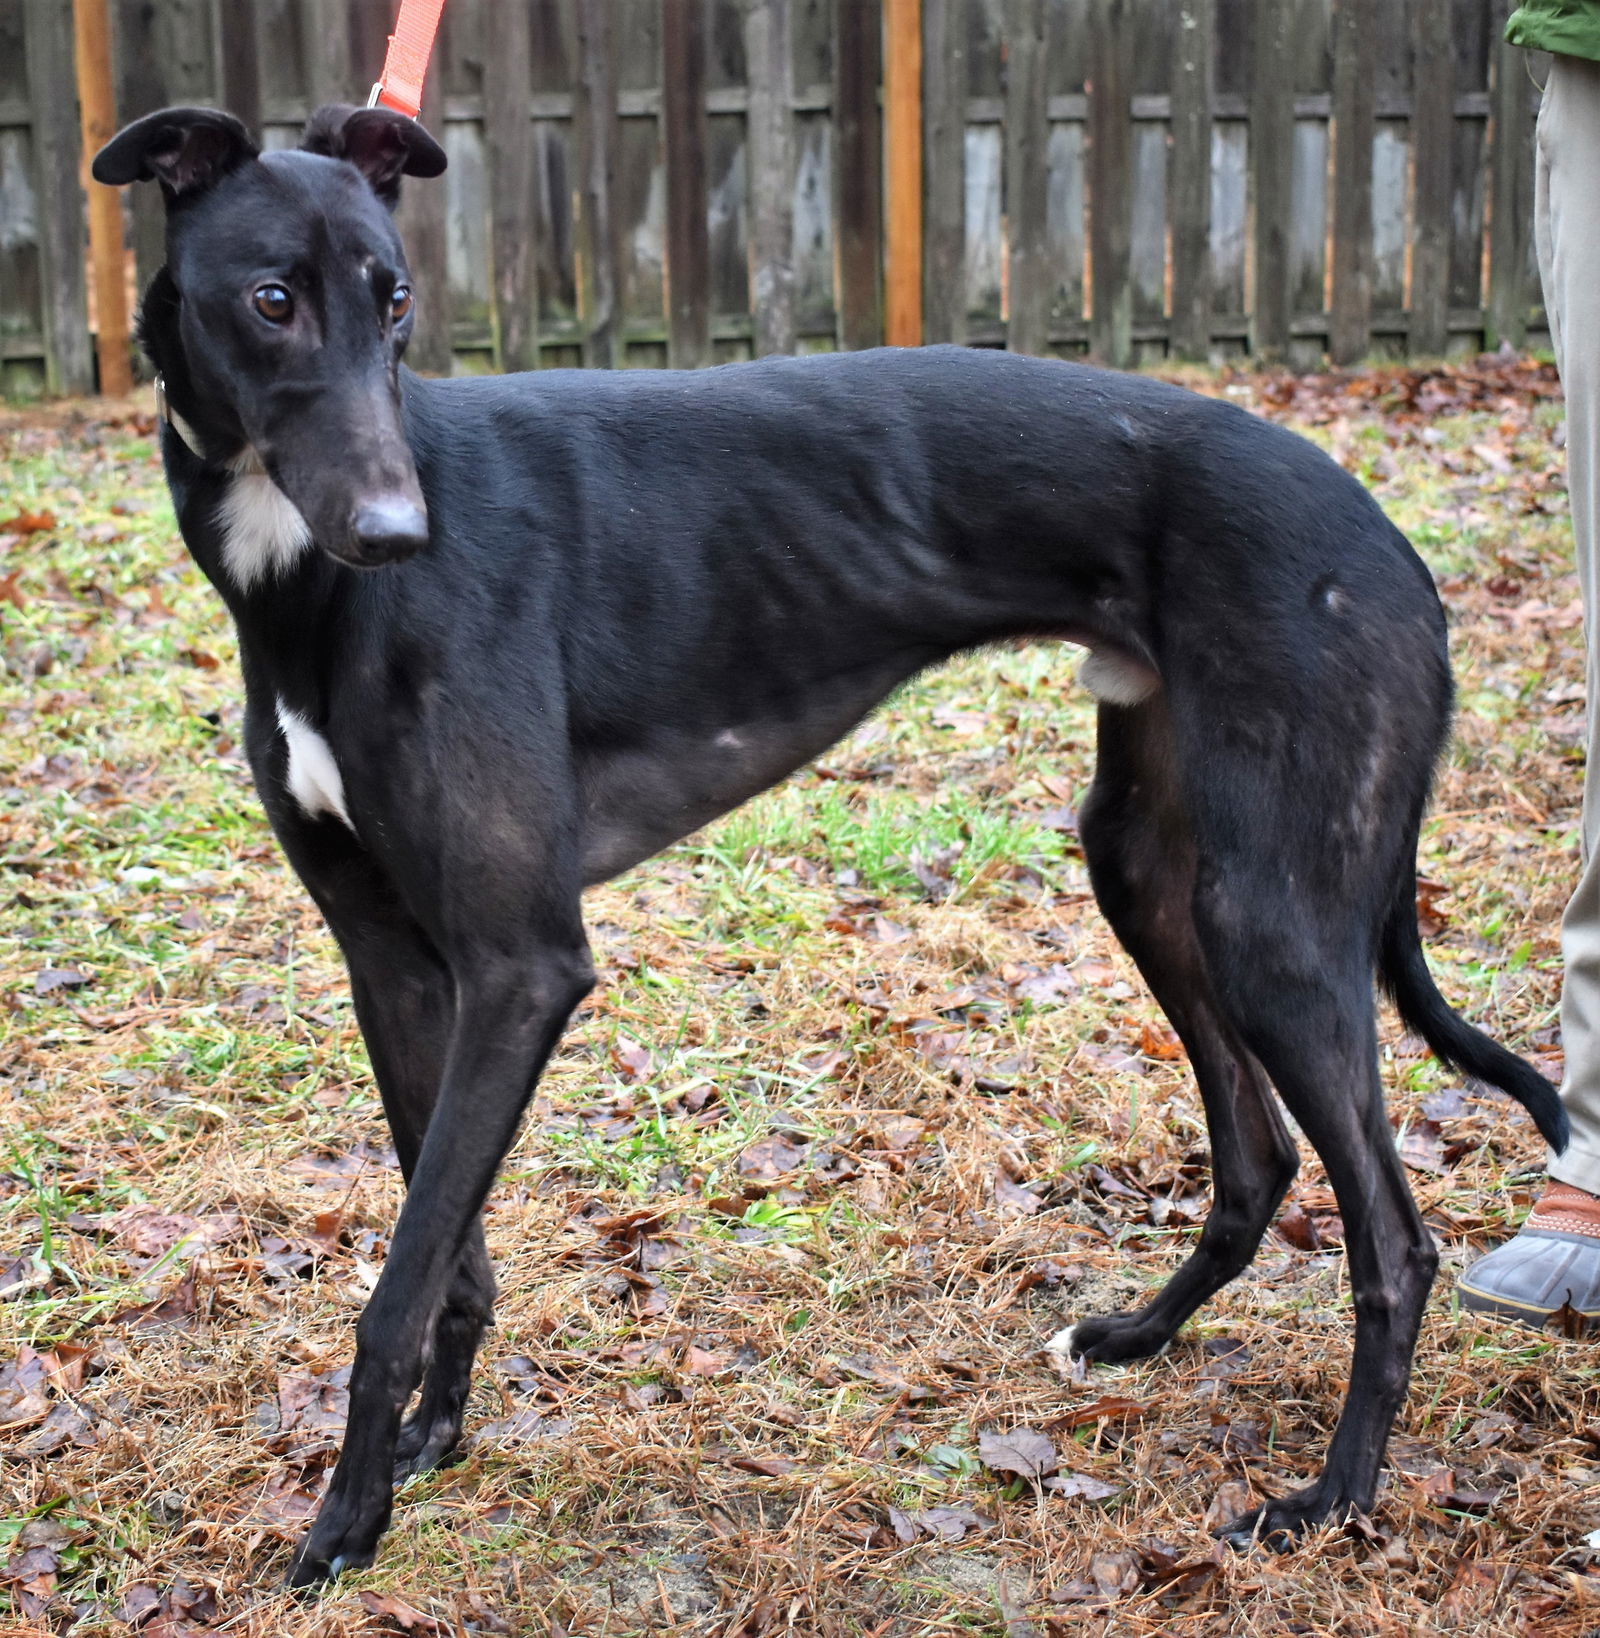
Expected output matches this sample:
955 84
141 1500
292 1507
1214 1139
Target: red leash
406 66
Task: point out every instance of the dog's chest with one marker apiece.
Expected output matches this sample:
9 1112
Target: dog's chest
313 775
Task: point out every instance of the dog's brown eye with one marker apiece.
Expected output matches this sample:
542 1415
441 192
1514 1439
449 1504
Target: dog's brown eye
400 302
274 303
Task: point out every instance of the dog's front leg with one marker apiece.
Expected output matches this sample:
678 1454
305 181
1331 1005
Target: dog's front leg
509 1015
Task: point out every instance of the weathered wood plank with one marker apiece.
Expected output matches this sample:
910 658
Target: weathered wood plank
683 89
1510 189
816 318
595 116
508 143
1354 47
769 54
330 74
1271 172
239 61
1110 198
944 119
1432 150
904 273
857 170
69 363
1192 84
1027 177
424 225
983 229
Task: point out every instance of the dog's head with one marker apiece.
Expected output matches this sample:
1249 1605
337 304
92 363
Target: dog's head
285 305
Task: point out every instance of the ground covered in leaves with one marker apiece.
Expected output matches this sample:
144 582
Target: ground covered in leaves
866 1101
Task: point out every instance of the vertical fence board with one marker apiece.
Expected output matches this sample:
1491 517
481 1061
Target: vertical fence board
508 141
683 103
1432 146
905 124
768 52
858 176
982 231
69 366
1110 155
1354 50
1027 178
814 313
595 115
239 61
422 222
329 70
1195 21
1511 190
1271 170
944 123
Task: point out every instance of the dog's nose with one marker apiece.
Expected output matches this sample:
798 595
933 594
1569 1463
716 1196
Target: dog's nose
388 528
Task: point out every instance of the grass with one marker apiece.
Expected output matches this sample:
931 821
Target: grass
866 1102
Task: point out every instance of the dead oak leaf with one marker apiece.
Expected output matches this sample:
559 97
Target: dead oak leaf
1023 1451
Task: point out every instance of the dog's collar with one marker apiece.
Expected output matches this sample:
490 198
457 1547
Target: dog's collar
186 433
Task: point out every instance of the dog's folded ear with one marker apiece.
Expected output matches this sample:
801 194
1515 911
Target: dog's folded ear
382 144
186 150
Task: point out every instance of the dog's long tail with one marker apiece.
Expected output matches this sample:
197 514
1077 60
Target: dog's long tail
1405 976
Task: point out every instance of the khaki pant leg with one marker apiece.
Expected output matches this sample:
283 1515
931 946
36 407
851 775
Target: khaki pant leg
1567 228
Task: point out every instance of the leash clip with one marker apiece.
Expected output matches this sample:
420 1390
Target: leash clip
375 94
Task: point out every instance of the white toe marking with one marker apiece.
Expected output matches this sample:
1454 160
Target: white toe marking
262 529
1114 679
1061 1342
314 779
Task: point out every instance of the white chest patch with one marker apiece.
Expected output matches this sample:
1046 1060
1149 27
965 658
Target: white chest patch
314 780
262 529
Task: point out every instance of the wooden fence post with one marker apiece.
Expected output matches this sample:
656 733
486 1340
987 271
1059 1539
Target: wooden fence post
1433 122
423 220
1354 71
1110 174
1510 186
1027 177
858 168
595 117
769 54
98 114
508 138
943 80
902 163
1271 171
683 124
1192 83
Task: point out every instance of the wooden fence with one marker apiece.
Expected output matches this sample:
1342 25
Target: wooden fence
686 181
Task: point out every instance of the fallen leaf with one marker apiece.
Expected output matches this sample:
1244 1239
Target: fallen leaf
1082 1484
1112 1407
1023 1450
405 1615
770 1158
950 1523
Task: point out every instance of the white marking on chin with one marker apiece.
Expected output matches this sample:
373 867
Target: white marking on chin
314 779
262 529
1114 679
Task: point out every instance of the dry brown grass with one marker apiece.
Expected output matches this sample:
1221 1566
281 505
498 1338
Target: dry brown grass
807 1188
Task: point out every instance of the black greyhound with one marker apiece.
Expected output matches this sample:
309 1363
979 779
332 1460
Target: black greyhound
503 638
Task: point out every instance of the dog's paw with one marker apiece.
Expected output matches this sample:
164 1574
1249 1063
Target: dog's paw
344 1537
1281 1524
1109 1340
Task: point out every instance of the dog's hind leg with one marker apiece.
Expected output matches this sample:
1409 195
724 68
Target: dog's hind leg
1141 860
1286 910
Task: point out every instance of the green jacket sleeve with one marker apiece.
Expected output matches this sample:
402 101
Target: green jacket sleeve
1571 27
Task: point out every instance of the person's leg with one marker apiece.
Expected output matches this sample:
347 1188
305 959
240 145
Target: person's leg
1555 1260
